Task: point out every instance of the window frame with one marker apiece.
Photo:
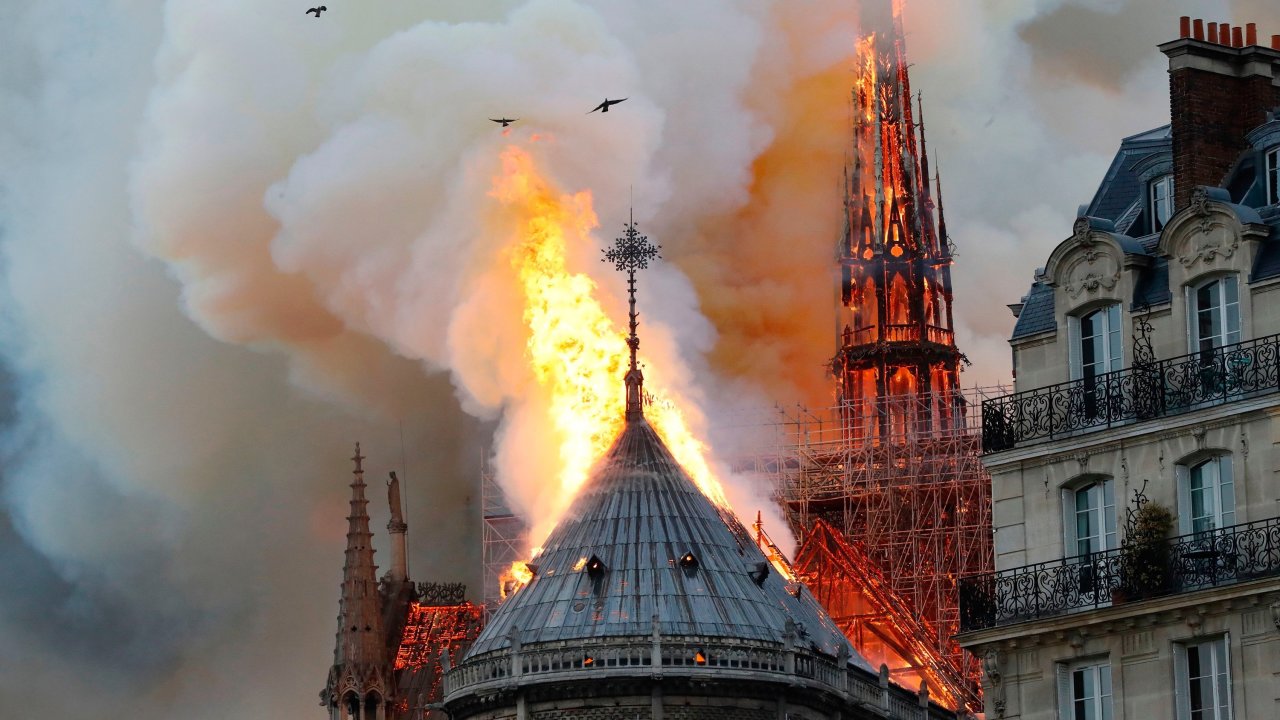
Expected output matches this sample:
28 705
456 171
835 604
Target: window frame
1106 533
1164 182
1220 677
1271 174
1112 314
1228 335
1103 703
1223 491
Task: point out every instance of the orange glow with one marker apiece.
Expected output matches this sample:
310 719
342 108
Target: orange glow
577 354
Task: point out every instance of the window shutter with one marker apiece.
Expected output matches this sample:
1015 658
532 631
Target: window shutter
1183 475
1181 683
1226 490
1073 347
1063 673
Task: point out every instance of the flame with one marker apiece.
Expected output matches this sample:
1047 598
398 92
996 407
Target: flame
516 577
577 354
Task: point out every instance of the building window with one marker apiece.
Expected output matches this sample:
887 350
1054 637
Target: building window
1206 495
1203 680
1090 517
1214 311
1084 691
1273 176
1096 348
1160 201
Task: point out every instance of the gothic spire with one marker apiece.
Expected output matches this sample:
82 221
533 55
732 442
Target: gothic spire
632 252
359 659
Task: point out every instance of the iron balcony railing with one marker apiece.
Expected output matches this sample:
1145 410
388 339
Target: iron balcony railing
1190 562
1155 389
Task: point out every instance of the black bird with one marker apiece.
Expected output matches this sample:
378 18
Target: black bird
317 10
504 121
604 106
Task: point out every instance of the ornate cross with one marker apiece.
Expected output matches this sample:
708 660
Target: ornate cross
632 252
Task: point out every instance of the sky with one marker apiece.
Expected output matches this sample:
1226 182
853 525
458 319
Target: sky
235 239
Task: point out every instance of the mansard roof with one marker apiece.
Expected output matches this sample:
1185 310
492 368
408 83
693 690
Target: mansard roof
1119 208
620 560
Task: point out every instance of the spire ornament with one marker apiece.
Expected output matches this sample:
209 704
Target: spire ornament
632 252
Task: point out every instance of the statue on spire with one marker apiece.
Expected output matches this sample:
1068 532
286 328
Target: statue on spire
632 252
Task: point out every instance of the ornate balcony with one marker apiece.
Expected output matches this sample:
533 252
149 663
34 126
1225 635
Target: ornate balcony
1156 389
1190 562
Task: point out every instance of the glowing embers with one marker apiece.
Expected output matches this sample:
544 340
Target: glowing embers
689 563
699 658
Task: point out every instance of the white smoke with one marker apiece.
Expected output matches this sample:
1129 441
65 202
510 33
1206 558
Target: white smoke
236 238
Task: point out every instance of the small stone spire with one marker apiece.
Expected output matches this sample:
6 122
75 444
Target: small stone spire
360 662
632 252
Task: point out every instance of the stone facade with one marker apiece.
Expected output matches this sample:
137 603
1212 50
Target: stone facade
1077 622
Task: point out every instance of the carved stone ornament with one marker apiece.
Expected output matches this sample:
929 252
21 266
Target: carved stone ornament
991 666
1080 232
1209 248
1000 706
1200 203
1275 614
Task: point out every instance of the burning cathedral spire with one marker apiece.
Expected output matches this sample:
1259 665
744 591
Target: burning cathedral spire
896 338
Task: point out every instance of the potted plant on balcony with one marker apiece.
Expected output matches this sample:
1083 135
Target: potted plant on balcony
1145 553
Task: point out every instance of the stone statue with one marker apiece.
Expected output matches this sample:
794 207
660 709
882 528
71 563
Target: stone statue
393 497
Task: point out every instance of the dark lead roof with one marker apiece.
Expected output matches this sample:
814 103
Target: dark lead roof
1037 312
640 514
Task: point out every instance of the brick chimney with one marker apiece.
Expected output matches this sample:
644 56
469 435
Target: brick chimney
1221 85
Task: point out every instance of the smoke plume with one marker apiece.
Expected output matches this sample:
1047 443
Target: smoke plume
237 238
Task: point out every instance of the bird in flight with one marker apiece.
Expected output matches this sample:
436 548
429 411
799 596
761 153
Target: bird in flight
604 106
317 10
504 121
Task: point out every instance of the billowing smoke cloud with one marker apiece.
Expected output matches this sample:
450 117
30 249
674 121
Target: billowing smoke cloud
236 238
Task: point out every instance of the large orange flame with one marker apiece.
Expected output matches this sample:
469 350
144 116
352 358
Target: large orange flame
577 353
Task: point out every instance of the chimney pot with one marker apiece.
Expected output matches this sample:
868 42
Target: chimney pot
1184 26
1275 42
1213 32
1237 36
1251 34
1224 34
1198 29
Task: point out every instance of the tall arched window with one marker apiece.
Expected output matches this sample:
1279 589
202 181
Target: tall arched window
1206 495
1096 346
1213 308
1089 516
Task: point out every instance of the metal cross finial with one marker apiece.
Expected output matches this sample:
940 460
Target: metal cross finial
632 252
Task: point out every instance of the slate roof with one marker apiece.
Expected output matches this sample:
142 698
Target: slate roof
1121 187
1119 207
1037 312
640 513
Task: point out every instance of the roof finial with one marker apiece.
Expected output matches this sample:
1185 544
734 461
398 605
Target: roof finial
632 252
358 459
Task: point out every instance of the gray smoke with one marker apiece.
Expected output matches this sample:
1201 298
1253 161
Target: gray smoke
237 239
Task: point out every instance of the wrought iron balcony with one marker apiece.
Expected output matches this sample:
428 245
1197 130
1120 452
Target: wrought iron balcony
1190 562
1141 392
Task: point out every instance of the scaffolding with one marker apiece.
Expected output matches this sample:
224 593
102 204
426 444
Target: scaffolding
502 536
916 502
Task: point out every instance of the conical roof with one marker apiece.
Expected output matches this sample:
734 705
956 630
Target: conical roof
641 543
